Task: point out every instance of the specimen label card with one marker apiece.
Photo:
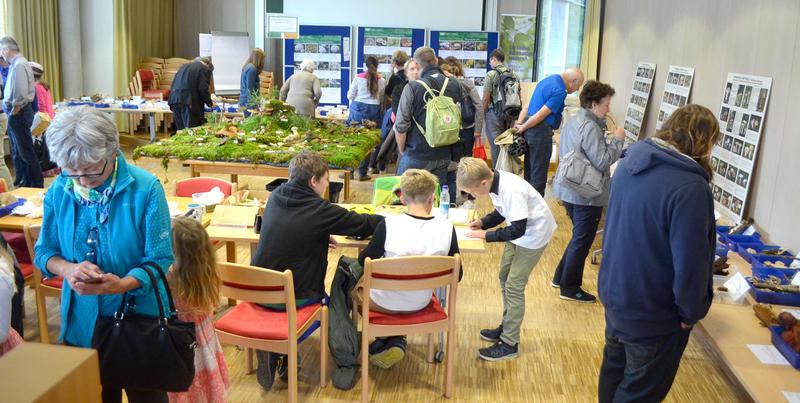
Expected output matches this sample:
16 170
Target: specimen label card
640 95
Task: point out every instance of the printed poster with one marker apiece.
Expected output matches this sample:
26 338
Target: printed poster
517 39
471 49
640 95
326 51
741 120
382 42
676 92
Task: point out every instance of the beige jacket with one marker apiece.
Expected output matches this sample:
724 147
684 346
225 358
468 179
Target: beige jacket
302 90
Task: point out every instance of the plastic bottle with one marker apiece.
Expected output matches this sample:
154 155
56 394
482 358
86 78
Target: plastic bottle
444 201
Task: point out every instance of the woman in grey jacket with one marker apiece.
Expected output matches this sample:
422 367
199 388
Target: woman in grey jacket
302 90
585 132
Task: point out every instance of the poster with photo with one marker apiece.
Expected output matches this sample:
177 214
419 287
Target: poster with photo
517 39
676 92
382 42
471 48
327 47
640 96
741 119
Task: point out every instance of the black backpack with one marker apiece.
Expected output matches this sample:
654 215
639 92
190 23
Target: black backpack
467 107
508 102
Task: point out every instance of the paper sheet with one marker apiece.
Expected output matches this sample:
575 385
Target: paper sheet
792 397
459 215
768 354
461 233
737 285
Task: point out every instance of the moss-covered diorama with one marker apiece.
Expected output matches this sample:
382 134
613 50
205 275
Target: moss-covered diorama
272 137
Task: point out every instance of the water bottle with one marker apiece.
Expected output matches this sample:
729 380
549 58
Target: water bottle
444 201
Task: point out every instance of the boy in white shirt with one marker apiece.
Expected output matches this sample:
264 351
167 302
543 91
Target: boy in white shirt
530 227
415 233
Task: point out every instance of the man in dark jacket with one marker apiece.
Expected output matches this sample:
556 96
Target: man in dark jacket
296 234
656 276
190 93
415 152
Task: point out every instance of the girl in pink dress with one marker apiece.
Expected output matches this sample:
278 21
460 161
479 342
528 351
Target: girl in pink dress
195 284
9 338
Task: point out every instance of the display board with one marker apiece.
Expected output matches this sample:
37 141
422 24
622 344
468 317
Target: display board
329 47
741 119
676 92
471 48
518 39
640 95
382 42
229 52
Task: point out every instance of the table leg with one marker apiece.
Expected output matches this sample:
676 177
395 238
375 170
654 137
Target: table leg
346 187
152 116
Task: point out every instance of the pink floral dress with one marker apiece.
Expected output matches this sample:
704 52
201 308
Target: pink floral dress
12 341
211 382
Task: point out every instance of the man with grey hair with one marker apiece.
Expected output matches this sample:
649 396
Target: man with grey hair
190 93
18 95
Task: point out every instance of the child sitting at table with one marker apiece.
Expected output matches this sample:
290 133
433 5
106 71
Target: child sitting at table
531 225
415 233
296 232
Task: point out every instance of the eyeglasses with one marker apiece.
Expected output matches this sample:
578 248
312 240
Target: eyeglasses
92 240
95 175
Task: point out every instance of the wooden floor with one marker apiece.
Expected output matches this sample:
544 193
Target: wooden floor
560 350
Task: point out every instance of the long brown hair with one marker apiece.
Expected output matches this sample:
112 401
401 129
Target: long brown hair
256 59
372 75
453 66
693 130
193 277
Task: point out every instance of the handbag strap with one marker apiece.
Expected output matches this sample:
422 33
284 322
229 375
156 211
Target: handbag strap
163 277
120 314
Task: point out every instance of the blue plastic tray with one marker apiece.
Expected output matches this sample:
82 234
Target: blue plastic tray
742 248
772 297
101 105
759 260
792 356
4 211
130 106
733 240
722 250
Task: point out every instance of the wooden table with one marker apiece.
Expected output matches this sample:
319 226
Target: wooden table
234 169
35 372
730 328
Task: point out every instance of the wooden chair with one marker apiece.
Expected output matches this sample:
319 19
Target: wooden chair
176 60
256 327
189 186
44 287
410 273
151 59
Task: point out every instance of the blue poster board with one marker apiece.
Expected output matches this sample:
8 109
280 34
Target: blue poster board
381 42
472 48
329 47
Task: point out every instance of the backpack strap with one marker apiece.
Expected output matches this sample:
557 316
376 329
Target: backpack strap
433 93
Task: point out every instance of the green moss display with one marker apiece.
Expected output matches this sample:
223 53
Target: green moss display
271 138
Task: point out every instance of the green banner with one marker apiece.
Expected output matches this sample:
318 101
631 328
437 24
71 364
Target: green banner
464 36
321 39
517 39
393 32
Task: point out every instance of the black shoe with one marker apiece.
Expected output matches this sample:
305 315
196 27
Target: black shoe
492 335
267 365
375 171
364 178
17 182
499 351
554 284
283 366
578 296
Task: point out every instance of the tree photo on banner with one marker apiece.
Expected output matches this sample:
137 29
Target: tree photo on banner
517 39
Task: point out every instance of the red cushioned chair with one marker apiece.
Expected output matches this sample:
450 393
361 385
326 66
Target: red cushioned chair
44 287
148 84
407 274
255 327
189 186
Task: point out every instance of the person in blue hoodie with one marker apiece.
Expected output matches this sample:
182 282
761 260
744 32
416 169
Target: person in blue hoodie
658 251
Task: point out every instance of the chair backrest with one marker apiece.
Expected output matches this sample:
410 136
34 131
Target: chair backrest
31 236
147 78
256 284
409 273
176 60
151 59
189 186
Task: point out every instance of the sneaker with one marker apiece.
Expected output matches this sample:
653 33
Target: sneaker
375 171
492 335
283 366
267 365
579 296
394 352
363 178
499 351
554 284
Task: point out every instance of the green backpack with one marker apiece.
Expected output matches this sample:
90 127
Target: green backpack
442 117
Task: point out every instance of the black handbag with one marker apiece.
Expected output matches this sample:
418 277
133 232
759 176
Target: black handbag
146 352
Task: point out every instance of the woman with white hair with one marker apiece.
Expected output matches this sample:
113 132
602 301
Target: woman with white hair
302 90
103 219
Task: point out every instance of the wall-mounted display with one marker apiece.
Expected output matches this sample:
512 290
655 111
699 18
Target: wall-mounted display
517 39
329 47
382 42
640 95
471 48
676 92
741 119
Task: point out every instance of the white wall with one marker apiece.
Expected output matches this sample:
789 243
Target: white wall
69 25
203 16
97 47
717 37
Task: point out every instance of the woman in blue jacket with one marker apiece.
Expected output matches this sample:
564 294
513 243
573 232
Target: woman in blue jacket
102 219
658 251
249 82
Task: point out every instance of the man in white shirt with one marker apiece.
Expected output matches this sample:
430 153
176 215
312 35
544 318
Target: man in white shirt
530 227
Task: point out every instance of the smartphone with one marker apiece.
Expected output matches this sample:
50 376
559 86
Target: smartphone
93 280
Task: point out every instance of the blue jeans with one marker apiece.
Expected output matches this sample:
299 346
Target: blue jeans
26 163
585 220
360 111
493 125
438 168
537 158
634 372
372 162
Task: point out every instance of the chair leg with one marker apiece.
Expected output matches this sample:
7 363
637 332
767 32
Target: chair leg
448 377
323 349
249 358
364 365
354 313
41 312
431 349
293 370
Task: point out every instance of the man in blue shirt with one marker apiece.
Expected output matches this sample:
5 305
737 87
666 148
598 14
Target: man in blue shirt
544 116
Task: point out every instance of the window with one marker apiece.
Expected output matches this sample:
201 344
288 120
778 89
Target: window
560 36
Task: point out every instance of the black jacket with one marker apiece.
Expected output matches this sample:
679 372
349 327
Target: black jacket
190 87
294 235
396 80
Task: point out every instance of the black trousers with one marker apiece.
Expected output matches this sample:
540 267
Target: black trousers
134 396
184 118
585 220
537 157
17 302
640 372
